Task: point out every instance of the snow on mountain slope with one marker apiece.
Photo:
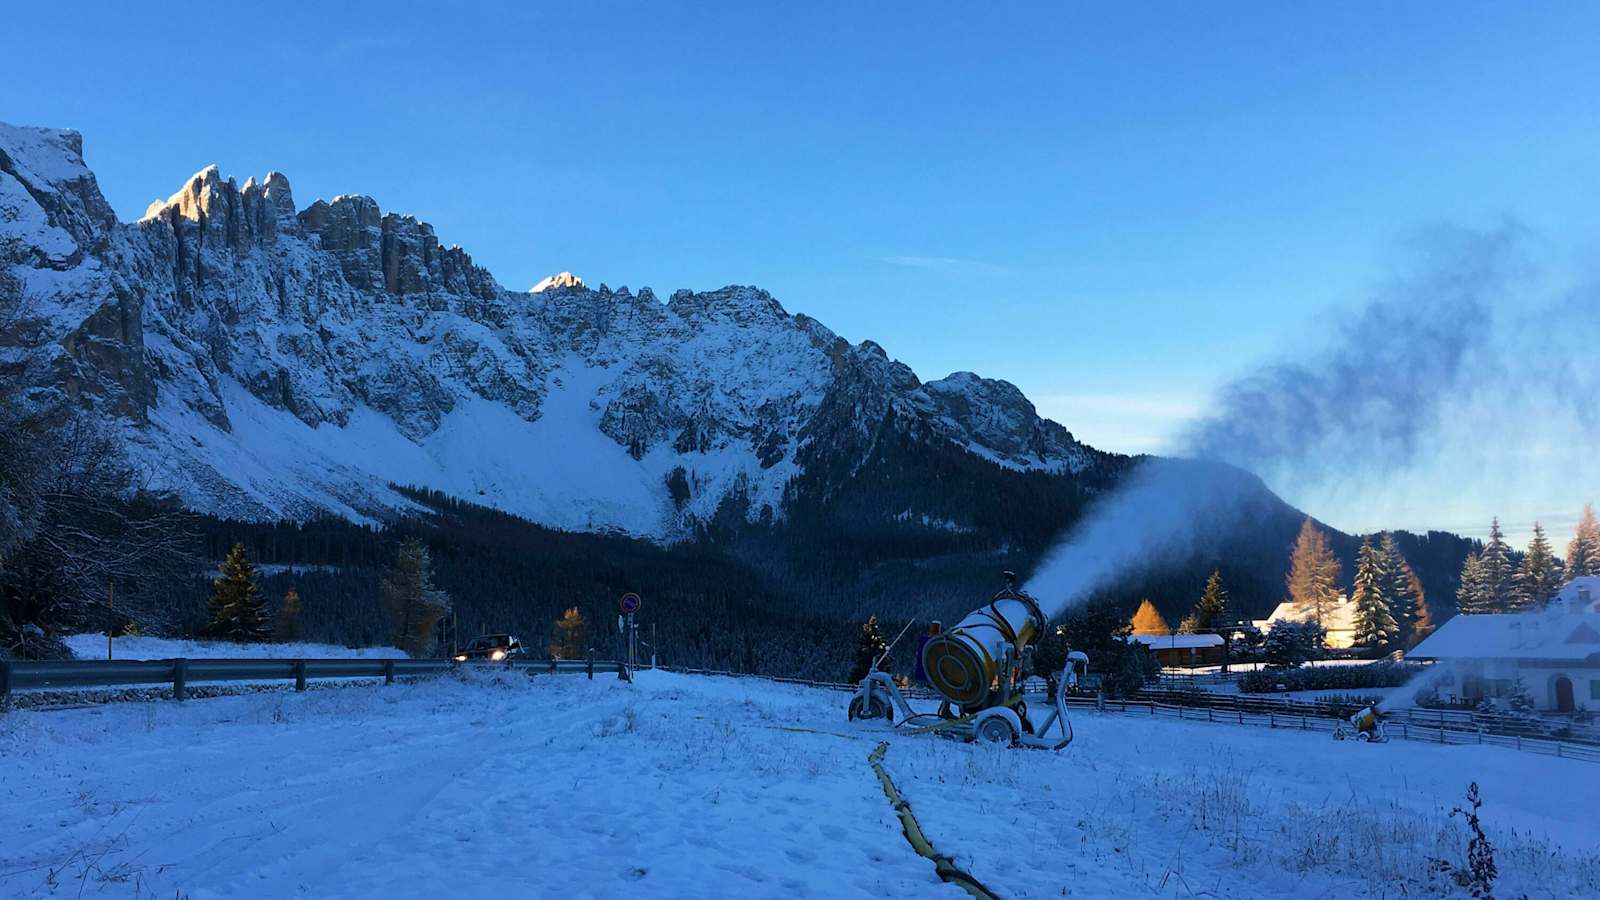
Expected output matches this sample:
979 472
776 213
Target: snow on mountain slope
684 786
268 361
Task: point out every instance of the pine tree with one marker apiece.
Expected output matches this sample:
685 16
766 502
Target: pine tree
237 611
570 637
1210 612
1497 571
413 605
286 625
1375 625
1583 554
1472 596
1313 573
1147 620
1537 578
870 647
1403 593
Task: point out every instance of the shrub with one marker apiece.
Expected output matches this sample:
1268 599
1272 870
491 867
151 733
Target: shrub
1322 678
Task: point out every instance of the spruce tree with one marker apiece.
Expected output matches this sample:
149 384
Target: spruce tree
1147 620
1583 554
286 625
1497 570
1375 626
1211 611
1537 578
1403 593
1313 573
237 611
1472 595
869 648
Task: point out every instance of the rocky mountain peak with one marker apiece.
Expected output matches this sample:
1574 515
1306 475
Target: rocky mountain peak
270 363
49 200
558 280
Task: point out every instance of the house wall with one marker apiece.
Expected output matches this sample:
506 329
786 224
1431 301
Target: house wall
1497 678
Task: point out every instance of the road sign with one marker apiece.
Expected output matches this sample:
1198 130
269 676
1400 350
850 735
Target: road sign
630 603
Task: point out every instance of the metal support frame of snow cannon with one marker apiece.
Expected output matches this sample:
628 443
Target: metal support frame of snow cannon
979 667
878 697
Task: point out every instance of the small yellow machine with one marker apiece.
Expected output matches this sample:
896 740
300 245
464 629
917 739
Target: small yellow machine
980 668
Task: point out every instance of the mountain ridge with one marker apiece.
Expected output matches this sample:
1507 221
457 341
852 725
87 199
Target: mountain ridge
269 361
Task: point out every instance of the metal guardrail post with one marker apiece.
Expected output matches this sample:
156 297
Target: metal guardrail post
5 685
299 674
388 671
552 666
180 679
590 668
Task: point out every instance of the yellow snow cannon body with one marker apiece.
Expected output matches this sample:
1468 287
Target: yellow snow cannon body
981 667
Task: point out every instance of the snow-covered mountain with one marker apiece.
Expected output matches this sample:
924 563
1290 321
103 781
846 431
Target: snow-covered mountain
268 361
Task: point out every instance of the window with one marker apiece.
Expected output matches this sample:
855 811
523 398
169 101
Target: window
1594 689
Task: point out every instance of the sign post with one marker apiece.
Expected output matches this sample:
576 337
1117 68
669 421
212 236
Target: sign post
629 604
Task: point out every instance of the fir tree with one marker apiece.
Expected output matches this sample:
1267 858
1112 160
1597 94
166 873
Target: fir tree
1211 610
1472 596
414 606
1404 591
1147 620
569 639
1313 573
1583 554
1375 625
237 611
286 625
1537 578
869 650
1497 571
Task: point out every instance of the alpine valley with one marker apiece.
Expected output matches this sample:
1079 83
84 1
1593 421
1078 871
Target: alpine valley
331 367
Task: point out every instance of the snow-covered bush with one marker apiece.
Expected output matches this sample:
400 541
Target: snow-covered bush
1320 678
1291 644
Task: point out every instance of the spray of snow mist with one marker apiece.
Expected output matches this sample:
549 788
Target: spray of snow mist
1452 388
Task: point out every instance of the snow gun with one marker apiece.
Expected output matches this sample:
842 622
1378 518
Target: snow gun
979 669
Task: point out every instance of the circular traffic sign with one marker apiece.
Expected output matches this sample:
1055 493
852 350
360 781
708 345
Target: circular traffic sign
630 602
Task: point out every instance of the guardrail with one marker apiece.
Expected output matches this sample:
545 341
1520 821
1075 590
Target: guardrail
18 675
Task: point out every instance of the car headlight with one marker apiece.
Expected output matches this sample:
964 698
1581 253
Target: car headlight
461 658
497 655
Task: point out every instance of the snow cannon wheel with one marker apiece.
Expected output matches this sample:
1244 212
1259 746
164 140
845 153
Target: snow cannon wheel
876 708
996 730
1363 737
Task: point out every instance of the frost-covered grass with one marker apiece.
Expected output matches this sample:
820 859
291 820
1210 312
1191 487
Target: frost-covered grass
497 783
93 646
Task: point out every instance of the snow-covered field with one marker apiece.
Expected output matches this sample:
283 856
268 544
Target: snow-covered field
93 646
683 786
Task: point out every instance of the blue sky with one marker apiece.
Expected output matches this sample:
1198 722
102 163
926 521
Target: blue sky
1115 208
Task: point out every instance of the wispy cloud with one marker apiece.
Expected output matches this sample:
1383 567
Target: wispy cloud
944 263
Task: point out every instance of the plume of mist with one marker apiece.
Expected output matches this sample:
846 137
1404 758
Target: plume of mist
1453 393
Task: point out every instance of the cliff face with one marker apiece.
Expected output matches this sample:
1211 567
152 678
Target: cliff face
268 361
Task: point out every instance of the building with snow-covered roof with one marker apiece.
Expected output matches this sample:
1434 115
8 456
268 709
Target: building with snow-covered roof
1339 620
1183 649
1554 652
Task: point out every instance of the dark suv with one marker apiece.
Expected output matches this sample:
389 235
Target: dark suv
491 648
